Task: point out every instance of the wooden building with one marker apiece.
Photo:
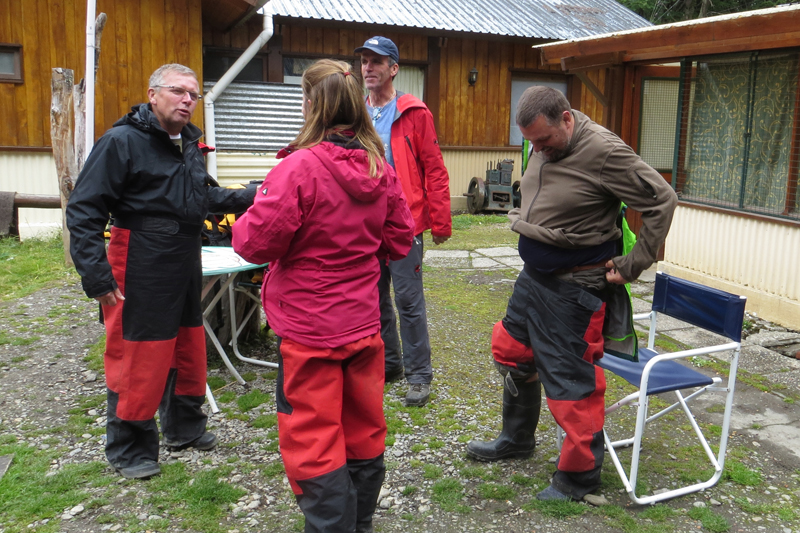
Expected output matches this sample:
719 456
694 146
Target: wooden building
714 104
438 50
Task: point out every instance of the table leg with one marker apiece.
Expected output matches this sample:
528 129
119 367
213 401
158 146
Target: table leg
210 331
236 330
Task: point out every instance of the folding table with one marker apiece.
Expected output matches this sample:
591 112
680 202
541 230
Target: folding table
222 263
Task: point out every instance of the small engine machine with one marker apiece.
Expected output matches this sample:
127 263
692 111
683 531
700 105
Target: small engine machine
496 193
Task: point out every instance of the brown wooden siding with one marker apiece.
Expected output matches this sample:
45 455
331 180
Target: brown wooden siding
467 116
138 38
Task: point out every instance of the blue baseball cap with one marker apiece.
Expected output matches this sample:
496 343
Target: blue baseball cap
382 46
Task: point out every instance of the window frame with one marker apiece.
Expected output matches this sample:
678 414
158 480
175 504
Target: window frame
791 206
17 76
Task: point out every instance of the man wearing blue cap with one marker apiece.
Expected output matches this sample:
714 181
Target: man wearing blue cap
406 126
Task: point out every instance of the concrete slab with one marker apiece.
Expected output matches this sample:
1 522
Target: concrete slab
500 251
447 259
448 262
484 262
445 254
511 261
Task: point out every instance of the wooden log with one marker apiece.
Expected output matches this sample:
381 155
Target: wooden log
62 138
38 201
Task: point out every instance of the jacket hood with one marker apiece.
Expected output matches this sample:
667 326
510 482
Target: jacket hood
350 168
142 118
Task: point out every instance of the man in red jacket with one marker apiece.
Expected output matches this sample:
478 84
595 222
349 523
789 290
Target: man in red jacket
406 127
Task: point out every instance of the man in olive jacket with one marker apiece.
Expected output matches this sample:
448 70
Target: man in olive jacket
569 303
148 174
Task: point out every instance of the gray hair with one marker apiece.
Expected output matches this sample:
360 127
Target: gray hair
541 101
157 78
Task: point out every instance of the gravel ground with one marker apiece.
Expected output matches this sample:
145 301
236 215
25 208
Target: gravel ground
44 379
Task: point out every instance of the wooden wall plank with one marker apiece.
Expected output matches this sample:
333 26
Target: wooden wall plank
444 115
480 99
34 88
466 94
108 80
493 120
454 47
138 80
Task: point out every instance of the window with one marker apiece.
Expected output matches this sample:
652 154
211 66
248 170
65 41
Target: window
410 78
217 62
10 63
659 112
738 143
518 86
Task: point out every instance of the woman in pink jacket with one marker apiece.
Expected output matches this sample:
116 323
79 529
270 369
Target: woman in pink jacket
323 218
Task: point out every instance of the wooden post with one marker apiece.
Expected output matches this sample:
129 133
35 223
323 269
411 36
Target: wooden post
62 138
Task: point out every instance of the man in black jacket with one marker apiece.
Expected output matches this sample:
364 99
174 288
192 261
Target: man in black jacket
148 174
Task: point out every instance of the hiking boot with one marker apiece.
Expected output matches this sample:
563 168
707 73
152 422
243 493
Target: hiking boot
553 494
144 470
418 394
394 374
520 418
207 441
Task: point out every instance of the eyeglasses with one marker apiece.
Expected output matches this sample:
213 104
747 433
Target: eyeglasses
180 91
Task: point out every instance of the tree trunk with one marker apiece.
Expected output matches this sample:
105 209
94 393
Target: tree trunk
704 7
62 135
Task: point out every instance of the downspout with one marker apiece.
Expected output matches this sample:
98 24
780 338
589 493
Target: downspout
222 84
91 8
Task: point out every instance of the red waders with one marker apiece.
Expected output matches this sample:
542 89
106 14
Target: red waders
155 355
332 431
556 328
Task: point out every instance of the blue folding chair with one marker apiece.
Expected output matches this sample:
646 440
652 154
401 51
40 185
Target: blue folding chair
711 309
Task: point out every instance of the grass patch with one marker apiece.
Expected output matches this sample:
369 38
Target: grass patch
32 265
448 493
555 508
28 493
265 421
710 520
476 231
738 473
493 491
215 382
251 400
200 501
94 359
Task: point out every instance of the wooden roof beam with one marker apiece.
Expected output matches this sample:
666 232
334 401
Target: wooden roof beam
574 65
772 29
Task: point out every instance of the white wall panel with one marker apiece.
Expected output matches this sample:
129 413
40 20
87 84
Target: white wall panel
757 258
31 173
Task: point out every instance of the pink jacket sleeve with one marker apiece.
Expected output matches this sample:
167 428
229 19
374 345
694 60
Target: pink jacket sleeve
264 232
398 230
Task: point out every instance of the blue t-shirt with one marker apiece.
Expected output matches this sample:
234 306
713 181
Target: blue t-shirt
382 118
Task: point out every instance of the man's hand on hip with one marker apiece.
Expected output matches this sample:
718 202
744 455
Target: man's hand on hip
110 298
613 275
439 239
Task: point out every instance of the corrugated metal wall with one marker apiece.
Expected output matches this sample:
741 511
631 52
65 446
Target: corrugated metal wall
748 256
257 117
31 173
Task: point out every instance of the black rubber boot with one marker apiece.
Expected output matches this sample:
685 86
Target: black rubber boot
520 418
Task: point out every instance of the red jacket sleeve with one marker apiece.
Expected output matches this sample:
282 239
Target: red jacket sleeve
398 230
264 232
437 181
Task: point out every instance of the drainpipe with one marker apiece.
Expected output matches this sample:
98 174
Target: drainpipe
211 96
91 8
